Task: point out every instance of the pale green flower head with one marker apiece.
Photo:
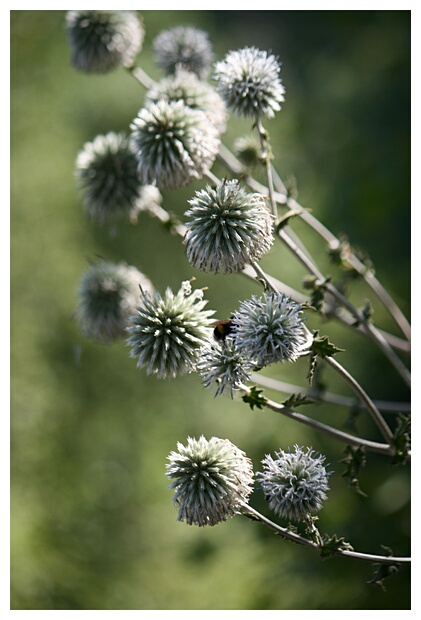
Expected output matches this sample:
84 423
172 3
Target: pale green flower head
106 171
167 331
212 480
248 81
228 228
102 41
183 47
294 483
174 144
108 295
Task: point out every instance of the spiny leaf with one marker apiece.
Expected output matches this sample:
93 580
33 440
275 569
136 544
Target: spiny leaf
321 346
383 570
354 460
402 439
333 544
254 398
312 367
295 400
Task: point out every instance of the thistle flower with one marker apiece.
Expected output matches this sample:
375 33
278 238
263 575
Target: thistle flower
167 332
212 479
183 47
101 41
173 143
194 93
229 228
269 329
106 169
294 484
220 364
249 83
108 295
248 151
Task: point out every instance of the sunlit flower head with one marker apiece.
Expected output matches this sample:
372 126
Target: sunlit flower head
248 81
174 144
108 294
195 93
167 331
294 483
212 480
183 47
228 228
269 329
101 41
222 367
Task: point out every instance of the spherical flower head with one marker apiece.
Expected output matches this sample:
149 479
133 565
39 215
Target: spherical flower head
108 295
220 365
106 170
295 483
248 151
174 144
183 47
228 229
167 332
270 329
102 41
248 81
212 480
196 94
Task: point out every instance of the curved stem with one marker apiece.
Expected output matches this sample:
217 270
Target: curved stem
264 143
251 513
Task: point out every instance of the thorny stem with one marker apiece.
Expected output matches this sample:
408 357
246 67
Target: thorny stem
253 514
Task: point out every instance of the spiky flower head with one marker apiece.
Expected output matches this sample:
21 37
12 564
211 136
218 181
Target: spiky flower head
101 41
270 329
167 332
174 144
229 228
108 295
248 81
221 365
195 93
106 170
212 480
248 150
295 483
183 47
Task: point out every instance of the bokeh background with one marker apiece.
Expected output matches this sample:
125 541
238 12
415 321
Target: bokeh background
93 525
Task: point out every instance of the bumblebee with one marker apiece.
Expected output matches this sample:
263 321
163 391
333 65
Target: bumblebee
222 329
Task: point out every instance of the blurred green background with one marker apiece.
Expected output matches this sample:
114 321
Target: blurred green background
93 525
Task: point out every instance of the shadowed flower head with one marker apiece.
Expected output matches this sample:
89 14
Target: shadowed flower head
183 47
174 144
221 365
269 329
167 332
295 483
228 228
103 40
248 150
212 479
106 169
249 83
108 295
195 93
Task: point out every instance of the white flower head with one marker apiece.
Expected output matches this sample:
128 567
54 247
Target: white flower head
228 228
212 480
220 365
248 81
183 47
295 483
167 331
174 144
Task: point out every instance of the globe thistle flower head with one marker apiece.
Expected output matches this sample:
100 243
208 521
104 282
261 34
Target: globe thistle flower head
102 41
295 483
183 47
108 295
269 329
195 93
228 228
167 331
106 170
174 144
212 480
248 81
248 151
220 365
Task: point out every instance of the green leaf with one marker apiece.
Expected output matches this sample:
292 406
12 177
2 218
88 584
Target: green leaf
333 544
354 459
312 367
295 400
402 439
254 398
383 571
285 218
321 346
